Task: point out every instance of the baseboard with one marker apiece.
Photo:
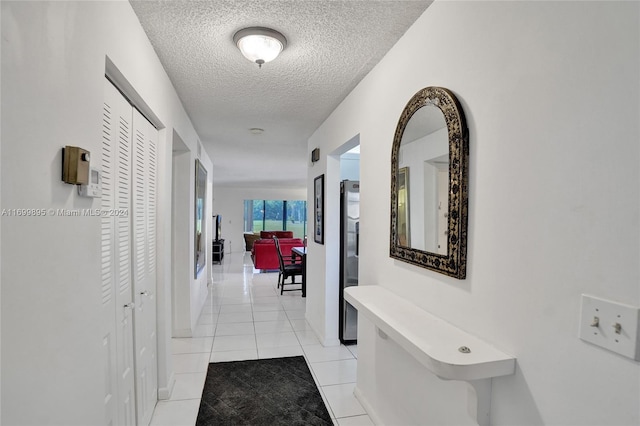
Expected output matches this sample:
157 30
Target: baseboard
367 406
165 393
331 342
183 332
323 341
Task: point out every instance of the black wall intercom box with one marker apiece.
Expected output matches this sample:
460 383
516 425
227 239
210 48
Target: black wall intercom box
315 155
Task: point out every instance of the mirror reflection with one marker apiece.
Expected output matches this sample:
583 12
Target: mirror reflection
429 183
423 181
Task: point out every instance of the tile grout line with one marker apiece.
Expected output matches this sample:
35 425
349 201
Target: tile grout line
289 306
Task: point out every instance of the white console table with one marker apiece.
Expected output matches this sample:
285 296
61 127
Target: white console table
447 351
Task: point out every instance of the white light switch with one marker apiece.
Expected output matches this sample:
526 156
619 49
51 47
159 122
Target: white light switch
611 325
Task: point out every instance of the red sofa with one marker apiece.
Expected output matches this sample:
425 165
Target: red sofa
264 253
280 234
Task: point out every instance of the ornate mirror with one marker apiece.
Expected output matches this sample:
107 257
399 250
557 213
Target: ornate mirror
429 183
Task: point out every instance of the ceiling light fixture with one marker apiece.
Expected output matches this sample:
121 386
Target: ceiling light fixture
259 44
256 130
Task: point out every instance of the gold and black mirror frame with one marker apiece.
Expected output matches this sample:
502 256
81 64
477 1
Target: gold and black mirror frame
454 262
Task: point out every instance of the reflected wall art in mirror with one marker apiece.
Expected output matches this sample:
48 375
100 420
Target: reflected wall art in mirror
429 183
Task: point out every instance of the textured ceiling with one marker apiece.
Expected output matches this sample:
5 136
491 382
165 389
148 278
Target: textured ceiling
332 45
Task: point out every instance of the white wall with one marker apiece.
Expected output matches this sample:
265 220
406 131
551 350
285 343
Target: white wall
229 202
181 240
0 255
53 66
550 91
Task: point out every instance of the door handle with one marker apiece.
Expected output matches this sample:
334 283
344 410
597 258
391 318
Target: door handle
144 293
130 305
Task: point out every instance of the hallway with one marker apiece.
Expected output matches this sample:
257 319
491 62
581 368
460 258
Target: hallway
245 317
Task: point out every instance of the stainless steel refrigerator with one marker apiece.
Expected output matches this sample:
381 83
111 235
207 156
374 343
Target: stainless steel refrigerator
349 241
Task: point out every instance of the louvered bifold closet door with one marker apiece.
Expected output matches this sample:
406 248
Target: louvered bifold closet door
117 296
143 224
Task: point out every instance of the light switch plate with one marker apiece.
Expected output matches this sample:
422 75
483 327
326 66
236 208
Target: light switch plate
611 325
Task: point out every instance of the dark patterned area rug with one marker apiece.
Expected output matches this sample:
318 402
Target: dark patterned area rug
278 391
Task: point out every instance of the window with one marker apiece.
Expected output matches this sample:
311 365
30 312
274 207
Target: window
276 215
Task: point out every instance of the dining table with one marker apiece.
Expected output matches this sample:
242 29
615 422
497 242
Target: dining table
302 253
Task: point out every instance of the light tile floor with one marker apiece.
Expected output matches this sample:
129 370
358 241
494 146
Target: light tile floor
245 317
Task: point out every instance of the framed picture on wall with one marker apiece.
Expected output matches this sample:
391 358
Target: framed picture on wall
318 209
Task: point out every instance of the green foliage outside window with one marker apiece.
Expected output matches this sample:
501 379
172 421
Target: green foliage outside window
276 215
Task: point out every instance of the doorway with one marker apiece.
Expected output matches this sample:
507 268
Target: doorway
342 163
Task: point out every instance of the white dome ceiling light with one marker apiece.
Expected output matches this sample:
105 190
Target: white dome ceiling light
259 44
